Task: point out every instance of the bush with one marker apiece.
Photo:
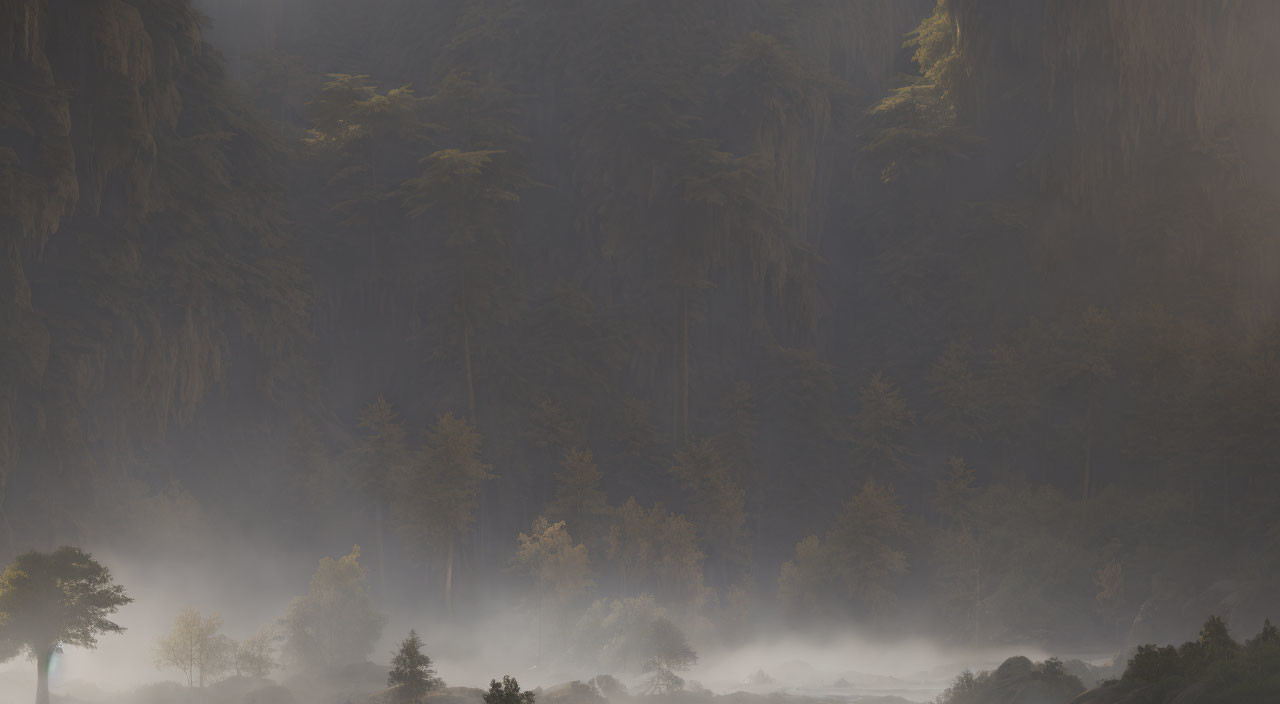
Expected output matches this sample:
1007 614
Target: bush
1152 664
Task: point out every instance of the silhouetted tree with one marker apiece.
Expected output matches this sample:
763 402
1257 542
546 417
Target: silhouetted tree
411 674
507 692
51 599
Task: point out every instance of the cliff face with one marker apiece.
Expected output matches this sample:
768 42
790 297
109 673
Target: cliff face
124 241
1116 79
1139 137
91 88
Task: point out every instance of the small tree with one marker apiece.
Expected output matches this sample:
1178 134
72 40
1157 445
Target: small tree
336 622
1215 640
48 599
195 648
256 656
507 692
669 653
559 567
411 672
1152 663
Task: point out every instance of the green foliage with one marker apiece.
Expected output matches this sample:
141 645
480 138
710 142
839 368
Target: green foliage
335 623
1054 237
633 635
1151 663
966 688
860 556
411 674
880 424
548 554
1214 642
1213 668
195 648
382 452
1016 680
51 599
507 692
438 494
256 656
62 597
718 499
656 548
579 502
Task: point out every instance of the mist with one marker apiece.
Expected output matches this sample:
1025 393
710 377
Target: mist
645 352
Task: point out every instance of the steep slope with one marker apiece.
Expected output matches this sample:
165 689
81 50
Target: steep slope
143 246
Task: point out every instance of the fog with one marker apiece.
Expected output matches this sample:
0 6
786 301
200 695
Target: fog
251 583
842 666
746 352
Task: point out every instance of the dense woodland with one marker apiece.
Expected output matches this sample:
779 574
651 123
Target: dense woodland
957 319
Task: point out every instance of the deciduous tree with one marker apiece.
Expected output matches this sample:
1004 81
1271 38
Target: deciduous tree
335 623
507 692
256 655
561 569
195 648
53 599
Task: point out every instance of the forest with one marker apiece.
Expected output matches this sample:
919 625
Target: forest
640 349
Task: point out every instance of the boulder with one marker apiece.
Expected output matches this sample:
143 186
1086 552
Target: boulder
1020 681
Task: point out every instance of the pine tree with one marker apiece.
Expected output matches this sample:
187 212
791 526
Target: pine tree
579 501
719 502
439 495
411 672
380 456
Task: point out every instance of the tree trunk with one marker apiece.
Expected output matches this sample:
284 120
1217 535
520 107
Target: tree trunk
43 657
448 580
